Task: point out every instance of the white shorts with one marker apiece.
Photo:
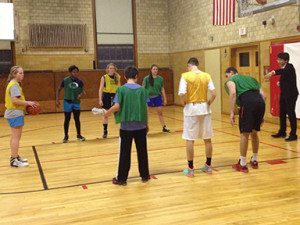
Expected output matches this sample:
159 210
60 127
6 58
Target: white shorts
197 127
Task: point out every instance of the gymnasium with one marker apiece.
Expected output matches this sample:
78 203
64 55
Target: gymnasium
70 175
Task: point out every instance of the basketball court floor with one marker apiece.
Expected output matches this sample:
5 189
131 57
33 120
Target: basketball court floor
71 183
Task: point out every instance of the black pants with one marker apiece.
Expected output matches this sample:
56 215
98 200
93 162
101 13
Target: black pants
76 114
287 107
140 140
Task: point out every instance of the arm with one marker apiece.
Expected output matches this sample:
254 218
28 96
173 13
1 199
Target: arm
17 101
182 91
213 94
212 97
232 94
113 109
101 87
182 100
262 94
57 95
147 126
81 94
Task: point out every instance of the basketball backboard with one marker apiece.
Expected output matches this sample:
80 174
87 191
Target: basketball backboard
250 7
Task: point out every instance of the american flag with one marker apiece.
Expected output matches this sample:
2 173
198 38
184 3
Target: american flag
223 12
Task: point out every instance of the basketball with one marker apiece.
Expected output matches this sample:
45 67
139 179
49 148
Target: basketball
34 110
262 2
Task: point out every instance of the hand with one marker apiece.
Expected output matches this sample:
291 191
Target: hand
232 120
267 76
208 103
79 96
278 83
32 104
100 103
165 102
57 103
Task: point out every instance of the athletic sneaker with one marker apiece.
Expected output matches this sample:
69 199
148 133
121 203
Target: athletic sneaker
14 162
188 172
66 139
117 182
165 129
80 138
206 168
22 159
239 167
145 179
104 134
254 164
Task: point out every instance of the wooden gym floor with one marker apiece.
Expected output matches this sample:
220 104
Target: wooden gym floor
71 183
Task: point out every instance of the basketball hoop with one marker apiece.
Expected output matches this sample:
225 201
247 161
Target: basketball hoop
250 7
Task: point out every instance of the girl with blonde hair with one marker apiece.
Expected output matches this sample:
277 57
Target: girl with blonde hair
15 105
109 84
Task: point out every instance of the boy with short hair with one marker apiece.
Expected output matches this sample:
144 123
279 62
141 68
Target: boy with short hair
130 110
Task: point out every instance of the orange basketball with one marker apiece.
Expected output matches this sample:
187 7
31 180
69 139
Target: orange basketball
34 110
262 2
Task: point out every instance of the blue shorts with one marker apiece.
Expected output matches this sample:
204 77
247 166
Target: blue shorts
16 122
155 102
70 106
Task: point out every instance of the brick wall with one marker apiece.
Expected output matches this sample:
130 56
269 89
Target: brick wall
53 12
152 32
190 25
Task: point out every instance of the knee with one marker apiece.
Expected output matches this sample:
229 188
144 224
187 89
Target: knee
254 136
207 141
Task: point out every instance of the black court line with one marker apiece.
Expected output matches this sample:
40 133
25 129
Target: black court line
40 168
131 178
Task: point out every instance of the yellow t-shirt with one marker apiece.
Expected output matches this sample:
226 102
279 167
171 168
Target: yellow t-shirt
8 102
110 86
197 86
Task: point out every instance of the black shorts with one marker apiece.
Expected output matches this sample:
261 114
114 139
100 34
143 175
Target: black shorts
252 111
107 100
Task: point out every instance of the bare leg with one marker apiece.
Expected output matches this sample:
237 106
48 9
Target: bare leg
255 141
208 148
189 150
244 144
16 133
160 116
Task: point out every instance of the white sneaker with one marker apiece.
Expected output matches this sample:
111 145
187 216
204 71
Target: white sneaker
96 111
22 159
15 162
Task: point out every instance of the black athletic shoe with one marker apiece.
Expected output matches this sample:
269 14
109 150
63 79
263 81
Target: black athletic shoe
291 138
66 139
117 182
165 129
145 179
279 135
80 138
104 134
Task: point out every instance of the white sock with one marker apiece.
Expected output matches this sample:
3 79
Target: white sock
243 161
254 157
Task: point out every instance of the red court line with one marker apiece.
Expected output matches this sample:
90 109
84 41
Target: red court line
106 181
239 136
